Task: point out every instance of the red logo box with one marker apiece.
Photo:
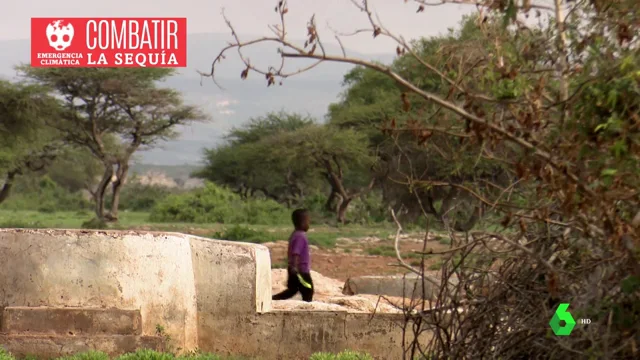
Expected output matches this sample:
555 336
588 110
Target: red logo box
108 42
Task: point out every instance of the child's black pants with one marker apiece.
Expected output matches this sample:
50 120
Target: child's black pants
294 286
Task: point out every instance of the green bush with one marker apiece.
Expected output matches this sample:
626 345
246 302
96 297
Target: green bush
368 209
315 204
90 355
215 204
94 224
344 355
245 234
146 354
138 197
4 355
154 355
20 224
201 356
44 195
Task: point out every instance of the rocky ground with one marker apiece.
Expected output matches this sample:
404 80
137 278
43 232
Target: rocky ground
328 296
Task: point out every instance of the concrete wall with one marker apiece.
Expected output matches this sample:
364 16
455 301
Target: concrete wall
295 335
207 294
125 270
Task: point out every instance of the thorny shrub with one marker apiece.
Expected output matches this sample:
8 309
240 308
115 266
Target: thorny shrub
551 91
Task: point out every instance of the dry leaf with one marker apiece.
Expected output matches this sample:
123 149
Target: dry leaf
406 105
523 225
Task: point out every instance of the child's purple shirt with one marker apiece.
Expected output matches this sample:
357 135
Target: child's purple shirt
299 245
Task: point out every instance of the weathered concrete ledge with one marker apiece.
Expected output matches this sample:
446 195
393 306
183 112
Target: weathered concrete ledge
70 321
207 294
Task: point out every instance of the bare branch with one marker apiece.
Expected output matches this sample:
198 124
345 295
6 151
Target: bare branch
397 249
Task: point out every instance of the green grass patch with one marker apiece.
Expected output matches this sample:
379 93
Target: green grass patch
390 251
91 355
323 236
280 265
64 219
4 355
323 240
436 265
245 234
146 354
344 355
255 235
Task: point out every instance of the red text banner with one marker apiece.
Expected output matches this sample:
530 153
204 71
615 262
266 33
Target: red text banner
108 42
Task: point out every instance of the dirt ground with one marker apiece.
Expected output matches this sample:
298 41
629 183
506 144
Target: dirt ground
362 256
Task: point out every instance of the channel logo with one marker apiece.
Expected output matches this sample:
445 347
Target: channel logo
562 314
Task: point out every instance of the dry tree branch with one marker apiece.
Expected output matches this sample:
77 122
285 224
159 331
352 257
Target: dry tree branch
238 44
523 248
548 157
562 63
379 29
486 3
397 250
431 97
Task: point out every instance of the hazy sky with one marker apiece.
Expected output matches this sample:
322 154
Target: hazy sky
248 16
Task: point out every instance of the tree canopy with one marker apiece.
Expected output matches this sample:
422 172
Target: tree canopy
26 143
113 113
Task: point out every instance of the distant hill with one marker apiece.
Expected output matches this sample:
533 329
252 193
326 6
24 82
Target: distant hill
308 93
171 176
177 172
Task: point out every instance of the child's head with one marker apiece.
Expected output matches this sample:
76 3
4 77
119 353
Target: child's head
300 219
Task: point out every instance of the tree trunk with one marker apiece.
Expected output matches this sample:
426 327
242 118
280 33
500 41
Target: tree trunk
342 209
121 174
447 204
269 195
101 191
470 222
329 204
8 184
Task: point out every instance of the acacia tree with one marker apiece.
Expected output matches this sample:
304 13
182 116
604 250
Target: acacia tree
26 143
76 169
558 104
342 157
451 168
248 164
114 113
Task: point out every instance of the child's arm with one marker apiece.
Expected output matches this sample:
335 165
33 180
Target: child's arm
296 263
295 254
